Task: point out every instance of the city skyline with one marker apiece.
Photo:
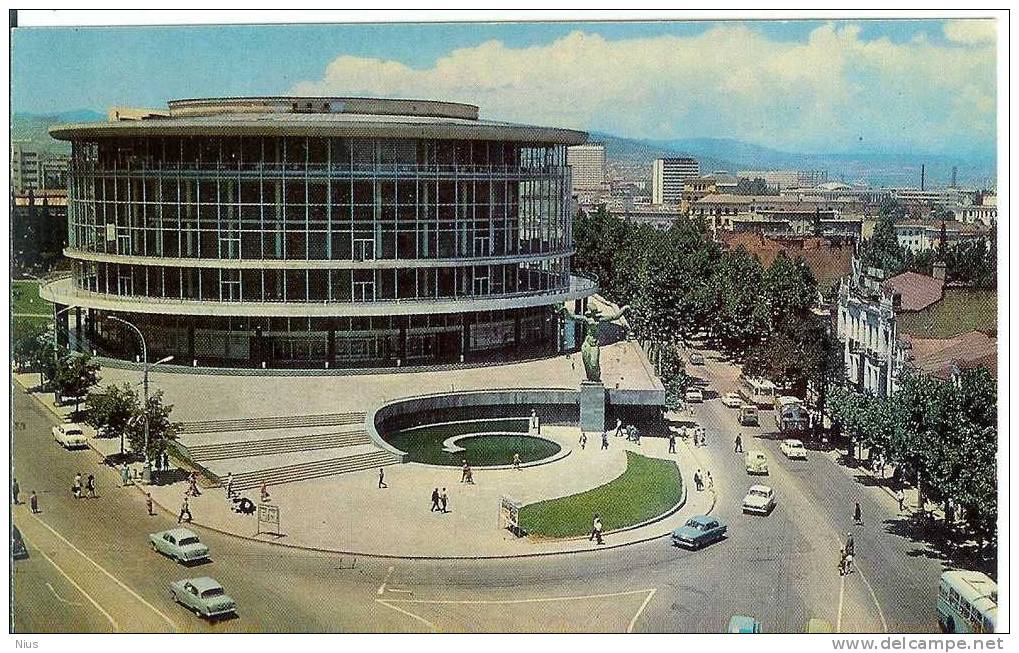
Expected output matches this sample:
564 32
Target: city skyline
807 86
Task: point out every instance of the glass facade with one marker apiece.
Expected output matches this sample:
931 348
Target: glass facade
293 220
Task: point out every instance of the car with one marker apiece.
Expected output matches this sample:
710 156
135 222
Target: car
756 463
732 400
18 549
70 436
699 531
696 358
180 544
760 499
748 415
203 596
694 395
744 624
793 449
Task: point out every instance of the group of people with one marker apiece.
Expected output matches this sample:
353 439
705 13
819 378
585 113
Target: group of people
846 556
440 501
33 498
703 480
89 489
468 474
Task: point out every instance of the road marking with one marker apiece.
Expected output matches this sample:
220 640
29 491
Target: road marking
633 622
382 587
399 591
60 598
95 604
541 599
880 612
842 596
108 574
431 626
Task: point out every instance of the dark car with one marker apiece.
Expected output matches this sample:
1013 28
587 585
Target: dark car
699 531
18 549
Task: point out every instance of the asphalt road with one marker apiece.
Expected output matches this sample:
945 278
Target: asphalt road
91 569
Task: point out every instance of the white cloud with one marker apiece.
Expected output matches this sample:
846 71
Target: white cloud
971 31
828 93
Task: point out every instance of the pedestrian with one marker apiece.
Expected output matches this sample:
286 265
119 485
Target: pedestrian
583 440
33 500
842 562
849 562
229 485
166 461
850 545
470 475
636 435
382 479
185 509
704 437
15 491
619 427
697 481
711 481
466 468
148 505
90 486
125 475
596 529
857 514
672 442
444 501
739 444
435 500
76 488
900 496
264 492
604 440
516 461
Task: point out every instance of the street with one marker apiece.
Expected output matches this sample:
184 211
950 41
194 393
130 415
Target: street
91 569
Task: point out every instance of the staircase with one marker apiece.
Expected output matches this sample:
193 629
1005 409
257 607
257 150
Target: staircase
269 446
316 469
264 423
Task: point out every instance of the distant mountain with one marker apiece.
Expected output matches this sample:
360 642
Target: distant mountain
33 128
877 168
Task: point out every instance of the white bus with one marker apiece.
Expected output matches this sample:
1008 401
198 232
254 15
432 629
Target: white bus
967 602
760 392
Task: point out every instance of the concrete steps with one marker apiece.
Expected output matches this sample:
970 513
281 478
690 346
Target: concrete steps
314 469
262 423
270 446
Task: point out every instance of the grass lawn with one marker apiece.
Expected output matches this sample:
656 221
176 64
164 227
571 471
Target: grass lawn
424 445
20 324
648 488
25 299
960 311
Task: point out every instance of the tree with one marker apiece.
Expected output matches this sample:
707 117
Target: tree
789 287
882 248
76 374
27 347
162 430
672 372
111 410
732 299
51 359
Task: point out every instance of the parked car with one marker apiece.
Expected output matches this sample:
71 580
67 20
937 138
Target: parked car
744 624
70 436
748 415
696 358
760 499
694 396
18 549
732 400
203 596
699 531
793 449
756 462
180 544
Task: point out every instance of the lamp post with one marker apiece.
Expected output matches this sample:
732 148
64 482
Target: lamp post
147 469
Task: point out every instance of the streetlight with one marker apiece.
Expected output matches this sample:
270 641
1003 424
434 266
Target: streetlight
147 469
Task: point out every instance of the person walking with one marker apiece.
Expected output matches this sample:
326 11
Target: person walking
166 461
516 461
444 501
382 479
125 475
264 492
90 486
76 488
583 440
604 440
596 529
148 505
229 485
857 515
33 501
435 500
466 468
710 480
185 509
470 475
15 491
672 442
900 496
697 481
704 437
619 427
739 444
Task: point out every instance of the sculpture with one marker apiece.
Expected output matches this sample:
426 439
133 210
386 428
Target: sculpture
589 350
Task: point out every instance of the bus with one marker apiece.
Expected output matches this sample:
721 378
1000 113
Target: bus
967 602
760 392
791 414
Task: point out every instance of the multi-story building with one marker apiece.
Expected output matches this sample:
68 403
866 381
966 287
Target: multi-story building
587 163
776 215
659 216
973 214
668 176
25 170
311 232
918 236
838 192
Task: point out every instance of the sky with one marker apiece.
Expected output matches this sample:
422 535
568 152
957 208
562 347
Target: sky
925 86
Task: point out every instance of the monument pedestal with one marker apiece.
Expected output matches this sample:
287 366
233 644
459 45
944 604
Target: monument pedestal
592 406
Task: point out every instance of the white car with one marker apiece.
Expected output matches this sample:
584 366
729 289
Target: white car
69 436
732 400
793 449
180 544
760 499
694 396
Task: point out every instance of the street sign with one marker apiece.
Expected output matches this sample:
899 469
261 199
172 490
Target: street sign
269 515
509 516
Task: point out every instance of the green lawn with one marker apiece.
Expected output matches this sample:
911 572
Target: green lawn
424 445
648 488
25 299
960 311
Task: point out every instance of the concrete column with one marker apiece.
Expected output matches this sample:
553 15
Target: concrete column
331 346
191 342
77 329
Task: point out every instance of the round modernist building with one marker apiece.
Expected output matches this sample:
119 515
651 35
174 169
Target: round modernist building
312 232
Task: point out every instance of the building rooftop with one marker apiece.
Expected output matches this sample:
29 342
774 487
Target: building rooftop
917 291
937 357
